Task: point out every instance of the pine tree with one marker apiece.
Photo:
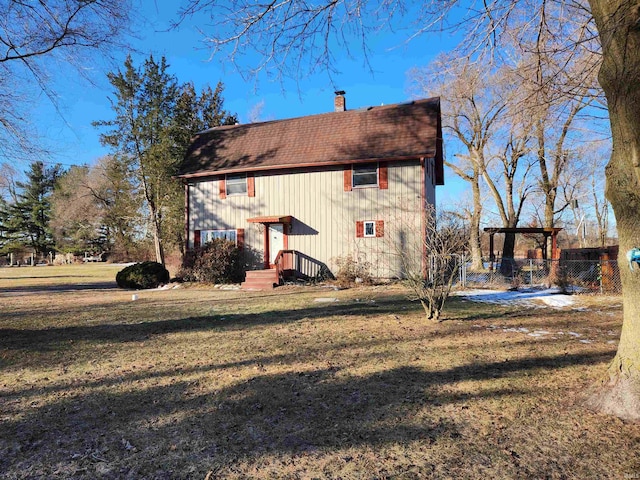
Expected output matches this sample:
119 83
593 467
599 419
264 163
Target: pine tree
25 222
155 118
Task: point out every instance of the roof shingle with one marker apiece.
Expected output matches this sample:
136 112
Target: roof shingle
391 132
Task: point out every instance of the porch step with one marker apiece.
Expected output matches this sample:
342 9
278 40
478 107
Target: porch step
260 280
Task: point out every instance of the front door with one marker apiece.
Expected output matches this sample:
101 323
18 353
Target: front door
276 240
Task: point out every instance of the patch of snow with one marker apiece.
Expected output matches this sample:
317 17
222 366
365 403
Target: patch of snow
325 300
530 297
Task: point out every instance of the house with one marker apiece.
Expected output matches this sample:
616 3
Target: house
301 194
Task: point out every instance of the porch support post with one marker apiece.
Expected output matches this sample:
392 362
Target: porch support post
492 257
266 245
554 255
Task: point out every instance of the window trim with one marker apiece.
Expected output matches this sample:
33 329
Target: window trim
236 179
378 228
364 228
362 167
204 240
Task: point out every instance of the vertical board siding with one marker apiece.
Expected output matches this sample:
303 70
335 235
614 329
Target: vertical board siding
324 214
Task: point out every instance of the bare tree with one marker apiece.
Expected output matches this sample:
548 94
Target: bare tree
440 241
37 40
8 176
583 191
482 112
470 116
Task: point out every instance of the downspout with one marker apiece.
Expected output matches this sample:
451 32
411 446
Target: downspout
423 216
186 216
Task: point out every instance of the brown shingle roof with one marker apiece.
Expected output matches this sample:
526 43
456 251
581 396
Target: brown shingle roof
392 132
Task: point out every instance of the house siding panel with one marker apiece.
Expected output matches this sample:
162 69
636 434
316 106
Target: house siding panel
324 213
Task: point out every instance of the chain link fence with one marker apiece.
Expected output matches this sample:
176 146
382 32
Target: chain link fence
572 276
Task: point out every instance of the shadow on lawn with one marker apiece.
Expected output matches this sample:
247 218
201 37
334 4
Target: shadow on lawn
42 339
47 289
176 425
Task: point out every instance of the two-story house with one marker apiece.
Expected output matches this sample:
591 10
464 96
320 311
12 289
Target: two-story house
302 193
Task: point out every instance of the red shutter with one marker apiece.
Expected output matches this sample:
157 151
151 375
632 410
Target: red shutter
383 176
347 178
380 227
240 238
196 239
359 229
222 184
251 185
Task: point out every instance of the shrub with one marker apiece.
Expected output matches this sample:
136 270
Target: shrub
351 271
142 275
219 261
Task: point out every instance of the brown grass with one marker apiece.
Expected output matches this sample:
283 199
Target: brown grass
201 383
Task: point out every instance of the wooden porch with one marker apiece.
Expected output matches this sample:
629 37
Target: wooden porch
289 265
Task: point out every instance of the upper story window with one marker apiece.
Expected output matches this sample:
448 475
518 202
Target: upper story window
365 176
368 175
236 184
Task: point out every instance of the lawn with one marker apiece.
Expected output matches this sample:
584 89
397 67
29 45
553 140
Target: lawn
300 382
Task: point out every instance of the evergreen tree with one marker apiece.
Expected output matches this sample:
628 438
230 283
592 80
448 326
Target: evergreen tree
154 119
144 104
25 222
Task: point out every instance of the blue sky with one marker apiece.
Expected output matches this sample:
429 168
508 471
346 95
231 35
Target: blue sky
384 81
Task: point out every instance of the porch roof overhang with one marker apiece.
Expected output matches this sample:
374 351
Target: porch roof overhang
271 219
543 230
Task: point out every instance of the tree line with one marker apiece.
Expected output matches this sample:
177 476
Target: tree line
529 142
128 203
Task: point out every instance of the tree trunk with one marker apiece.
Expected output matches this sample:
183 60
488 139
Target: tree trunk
157 243
474 234
507 265
618 24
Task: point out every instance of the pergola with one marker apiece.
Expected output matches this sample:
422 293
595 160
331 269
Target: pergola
547 232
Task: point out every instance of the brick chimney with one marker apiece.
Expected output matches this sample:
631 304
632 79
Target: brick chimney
339 102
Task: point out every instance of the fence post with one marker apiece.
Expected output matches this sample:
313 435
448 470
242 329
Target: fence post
531 272
464 270
600 276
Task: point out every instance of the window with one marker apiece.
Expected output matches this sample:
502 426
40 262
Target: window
202 237
370 175
208 235
365 176
369 229
236 184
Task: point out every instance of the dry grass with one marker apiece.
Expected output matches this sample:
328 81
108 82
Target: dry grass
200 383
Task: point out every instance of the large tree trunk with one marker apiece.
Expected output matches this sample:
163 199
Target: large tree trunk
157 242
508 264
618 23
474 234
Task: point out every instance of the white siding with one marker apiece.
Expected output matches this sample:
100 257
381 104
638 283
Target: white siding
324 215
